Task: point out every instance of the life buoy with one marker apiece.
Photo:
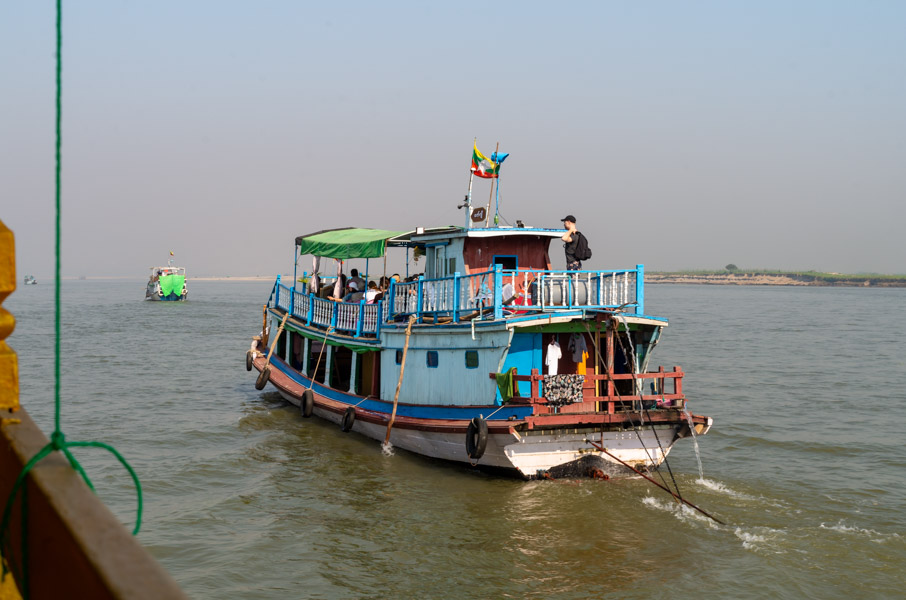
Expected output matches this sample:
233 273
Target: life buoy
476 438
308 403
248 360
348 419
263 378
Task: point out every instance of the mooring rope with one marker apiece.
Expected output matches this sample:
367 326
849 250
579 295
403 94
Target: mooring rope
642 404
620 399
318 364
57 439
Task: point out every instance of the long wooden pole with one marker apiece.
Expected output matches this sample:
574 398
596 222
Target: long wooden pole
602 449
274 343
597 357
399 382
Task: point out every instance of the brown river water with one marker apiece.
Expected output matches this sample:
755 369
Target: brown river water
805 463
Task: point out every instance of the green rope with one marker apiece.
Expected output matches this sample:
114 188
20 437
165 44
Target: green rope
57 439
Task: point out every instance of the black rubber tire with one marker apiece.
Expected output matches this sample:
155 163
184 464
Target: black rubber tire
476 438
348 419
307 406
263 378
248 360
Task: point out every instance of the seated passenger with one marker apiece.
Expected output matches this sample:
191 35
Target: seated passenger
372 292
353 294
359 282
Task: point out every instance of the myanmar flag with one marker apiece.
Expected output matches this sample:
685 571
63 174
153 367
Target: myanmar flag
483 166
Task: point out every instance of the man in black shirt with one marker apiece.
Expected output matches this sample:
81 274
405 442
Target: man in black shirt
571 240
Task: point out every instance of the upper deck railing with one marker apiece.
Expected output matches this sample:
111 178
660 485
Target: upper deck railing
489 295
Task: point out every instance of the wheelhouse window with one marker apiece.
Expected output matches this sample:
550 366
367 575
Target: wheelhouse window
471 359
508 263
399 357
431 359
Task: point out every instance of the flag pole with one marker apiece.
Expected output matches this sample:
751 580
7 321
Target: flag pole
497 200
469 200
491 196
469 195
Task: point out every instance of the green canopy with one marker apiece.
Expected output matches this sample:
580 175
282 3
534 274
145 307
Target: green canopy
346 243
172 284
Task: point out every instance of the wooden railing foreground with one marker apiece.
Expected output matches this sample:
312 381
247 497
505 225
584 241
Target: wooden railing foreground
603 395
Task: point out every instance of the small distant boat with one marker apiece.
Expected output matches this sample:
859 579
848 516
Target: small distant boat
30 280
167 284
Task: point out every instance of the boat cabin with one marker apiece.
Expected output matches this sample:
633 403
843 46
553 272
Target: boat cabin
489 302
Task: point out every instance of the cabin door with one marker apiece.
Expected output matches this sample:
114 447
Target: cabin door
440 262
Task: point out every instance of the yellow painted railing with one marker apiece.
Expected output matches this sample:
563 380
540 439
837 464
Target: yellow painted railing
9 367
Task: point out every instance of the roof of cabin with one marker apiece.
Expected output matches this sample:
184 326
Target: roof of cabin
356 242
460 232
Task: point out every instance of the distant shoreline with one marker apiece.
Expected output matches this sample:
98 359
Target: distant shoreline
778 278
189 278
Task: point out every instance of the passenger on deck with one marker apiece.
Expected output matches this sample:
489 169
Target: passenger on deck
327 291
353 295
359 282
372 292
571 243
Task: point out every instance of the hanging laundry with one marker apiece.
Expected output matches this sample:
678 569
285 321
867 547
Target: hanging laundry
553 356
563 389
578 347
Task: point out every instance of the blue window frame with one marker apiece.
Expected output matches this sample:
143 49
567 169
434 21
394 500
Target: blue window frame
431 359
471 359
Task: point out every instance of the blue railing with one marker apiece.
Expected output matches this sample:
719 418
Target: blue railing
491 293
356 319
487 295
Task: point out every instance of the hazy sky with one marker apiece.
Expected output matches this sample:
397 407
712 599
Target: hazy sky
681 134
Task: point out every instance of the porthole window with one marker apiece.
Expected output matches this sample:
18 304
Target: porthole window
471 359
432 359
399 357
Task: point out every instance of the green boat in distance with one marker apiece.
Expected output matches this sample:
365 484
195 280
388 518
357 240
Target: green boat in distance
167 284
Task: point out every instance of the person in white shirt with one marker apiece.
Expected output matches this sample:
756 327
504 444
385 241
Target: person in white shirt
371 292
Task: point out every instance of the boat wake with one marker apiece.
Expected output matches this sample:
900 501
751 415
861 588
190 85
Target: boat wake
874 536
680 511
720 488
765 540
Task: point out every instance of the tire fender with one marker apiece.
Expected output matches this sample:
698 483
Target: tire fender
263 378
248 360
348 419
307 406
477 438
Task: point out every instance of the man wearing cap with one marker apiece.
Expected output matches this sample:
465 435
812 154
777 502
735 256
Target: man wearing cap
571 240
352 293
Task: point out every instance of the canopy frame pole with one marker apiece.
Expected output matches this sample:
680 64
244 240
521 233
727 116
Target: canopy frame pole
292 295
469 201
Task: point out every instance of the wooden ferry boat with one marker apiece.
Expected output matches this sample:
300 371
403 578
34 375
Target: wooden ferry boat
462 363
167 284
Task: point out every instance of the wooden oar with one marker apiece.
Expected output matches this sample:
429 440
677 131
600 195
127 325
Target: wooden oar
399 382
602 449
